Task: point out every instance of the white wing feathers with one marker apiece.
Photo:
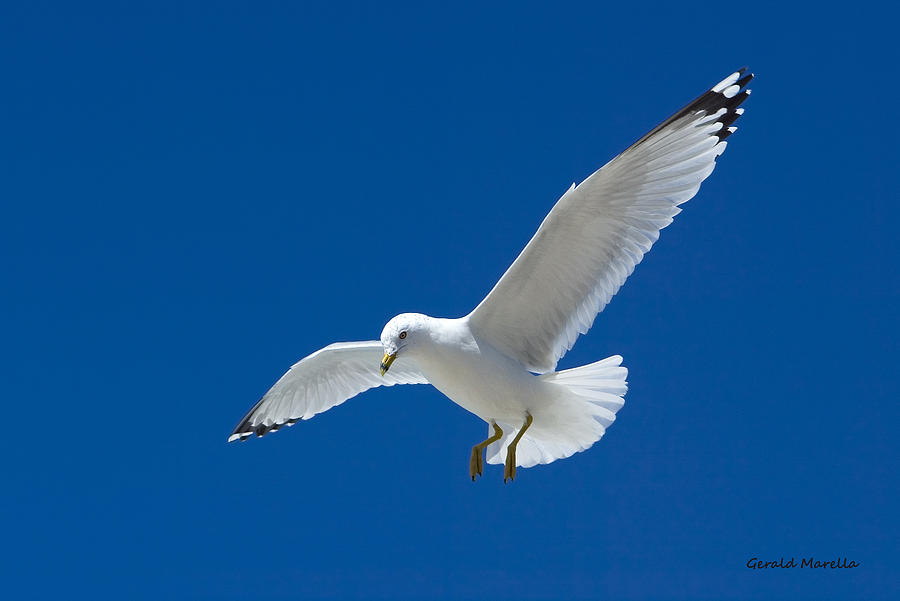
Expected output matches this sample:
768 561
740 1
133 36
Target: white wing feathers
321 381
598 231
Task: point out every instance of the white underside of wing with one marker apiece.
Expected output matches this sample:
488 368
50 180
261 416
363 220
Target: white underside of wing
597 232
321 381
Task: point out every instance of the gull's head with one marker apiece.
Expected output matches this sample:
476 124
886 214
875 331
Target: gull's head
399 335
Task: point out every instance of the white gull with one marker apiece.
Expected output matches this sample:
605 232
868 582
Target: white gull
499 361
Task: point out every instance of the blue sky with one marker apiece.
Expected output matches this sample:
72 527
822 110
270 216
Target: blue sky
194 196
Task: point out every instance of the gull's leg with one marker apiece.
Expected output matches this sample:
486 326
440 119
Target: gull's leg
509 470
476 462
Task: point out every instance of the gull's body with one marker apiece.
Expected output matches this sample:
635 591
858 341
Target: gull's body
473 374
482 380
499 361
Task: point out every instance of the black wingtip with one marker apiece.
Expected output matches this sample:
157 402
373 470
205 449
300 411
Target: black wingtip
245 429
711 102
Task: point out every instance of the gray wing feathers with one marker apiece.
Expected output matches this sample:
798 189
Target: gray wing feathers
598 231
321 381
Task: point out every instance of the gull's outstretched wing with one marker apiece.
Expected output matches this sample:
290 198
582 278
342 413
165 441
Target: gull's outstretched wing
598 231
322 380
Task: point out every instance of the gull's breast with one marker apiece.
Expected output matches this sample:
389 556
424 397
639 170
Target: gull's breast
476 376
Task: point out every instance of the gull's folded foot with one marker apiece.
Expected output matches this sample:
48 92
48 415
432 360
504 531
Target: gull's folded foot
509 468
476 465
476 461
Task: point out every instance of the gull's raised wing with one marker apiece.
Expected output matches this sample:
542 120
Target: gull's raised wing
599 230
321 381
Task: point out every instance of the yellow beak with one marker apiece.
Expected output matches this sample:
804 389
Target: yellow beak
386 362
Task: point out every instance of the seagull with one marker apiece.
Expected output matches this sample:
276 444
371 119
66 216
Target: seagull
499 361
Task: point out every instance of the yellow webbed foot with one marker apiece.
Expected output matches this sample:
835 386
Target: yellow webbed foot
476 461
509 468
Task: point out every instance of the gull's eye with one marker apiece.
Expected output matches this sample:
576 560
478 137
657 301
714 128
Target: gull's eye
402 335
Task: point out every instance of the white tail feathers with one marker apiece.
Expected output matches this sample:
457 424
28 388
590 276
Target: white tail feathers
602 383
573 418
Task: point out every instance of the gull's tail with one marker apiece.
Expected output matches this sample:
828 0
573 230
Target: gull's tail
575 416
